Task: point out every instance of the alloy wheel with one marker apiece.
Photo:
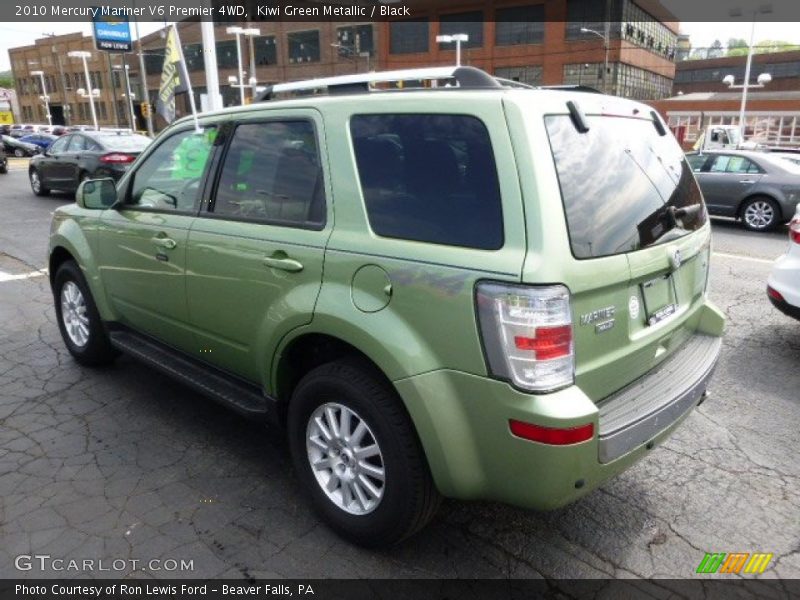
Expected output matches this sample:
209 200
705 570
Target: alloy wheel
73 314
345 458
759 214
36 184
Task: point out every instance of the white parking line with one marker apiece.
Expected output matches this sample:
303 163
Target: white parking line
765 261
8 277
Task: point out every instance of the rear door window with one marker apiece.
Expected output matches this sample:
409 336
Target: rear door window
429 178
623 185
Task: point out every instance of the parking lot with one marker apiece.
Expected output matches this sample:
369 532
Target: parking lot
124 463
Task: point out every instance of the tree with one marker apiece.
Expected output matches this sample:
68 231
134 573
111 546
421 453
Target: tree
736 47
6 80
715 50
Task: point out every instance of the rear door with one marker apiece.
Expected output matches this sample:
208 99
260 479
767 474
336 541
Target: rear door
639 249
255 255
726 179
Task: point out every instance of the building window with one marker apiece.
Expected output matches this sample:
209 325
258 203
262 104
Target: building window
532 75
355 40
592 15
154 61
226 55
193 53
589 74
642 29
408 36
633 82
519 25
266 49
303 46
470 23
97 80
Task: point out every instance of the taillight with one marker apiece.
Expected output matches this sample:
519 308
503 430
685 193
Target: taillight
527 334
774 294
117 158
794 230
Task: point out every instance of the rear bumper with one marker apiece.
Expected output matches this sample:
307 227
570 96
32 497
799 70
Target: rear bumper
637 413
785 279
463 424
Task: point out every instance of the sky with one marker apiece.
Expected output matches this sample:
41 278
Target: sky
702 34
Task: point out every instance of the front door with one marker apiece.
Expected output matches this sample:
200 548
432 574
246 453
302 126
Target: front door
254 258
52 168
142 244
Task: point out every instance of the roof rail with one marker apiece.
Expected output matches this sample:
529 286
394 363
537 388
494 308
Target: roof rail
465 77
570 88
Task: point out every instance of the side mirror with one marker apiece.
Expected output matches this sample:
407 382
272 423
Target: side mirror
96 194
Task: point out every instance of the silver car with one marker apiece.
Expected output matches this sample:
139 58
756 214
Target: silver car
762 190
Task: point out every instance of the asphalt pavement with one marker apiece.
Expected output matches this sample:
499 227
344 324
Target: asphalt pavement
124 464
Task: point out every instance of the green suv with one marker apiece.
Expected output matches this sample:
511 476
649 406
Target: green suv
471 289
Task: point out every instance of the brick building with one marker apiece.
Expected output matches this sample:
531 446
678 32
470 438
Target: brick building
64 76
541 42
701 99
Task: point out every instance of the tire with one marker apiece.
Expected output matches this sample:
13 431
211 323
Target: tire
760 213
89 344
36 183
19 153
3 169
407 497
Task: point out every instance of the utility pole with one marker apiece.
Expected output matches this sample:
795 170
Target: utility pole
114 105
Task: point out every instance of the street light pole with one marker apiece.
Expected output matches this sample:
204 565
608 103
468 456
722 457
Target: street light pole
237 31
606 45
45 97
251 33
83 55
457 38
746 83
128 94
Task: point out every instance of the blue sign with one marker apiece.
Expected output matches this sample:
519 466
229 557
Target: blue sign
112 34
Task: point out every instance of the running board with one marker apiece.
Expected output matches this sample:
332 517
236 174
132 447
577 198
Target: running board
243 397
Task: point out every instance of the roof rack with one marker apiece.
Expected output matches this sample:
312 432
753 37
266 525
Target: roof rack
465 77
570 88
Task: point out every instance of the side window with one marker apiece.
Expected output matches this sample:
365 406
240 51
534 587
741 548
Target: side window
720 164
696 161
60 145
272 173
169 178
429 178
77 144
739 164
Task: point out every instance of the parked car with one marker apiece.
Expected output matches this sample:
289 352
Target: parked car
792 157
43 140
19 148
78 156
3 161
758 188
513 304
18 130
59 130
783 286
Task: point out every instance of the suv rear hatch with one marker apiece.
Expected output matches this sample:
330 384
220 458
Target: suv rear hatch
637 260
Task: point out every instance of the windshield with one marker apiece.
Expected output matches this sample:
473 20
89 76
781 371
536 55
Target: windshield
624 186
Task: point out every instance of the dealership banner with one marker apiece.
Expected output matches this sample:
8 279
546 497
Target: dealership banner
350 10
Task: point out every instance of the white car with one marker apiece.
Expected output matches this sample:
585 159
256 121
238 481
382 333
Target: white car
783 286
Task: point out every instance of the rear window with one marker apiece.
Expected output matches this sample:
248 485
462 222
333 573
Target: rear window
131 143
622 185
429 178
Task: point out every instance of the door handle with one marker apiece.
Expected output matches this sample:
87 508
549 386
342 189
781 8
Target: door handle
284 264
165 242
747 181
